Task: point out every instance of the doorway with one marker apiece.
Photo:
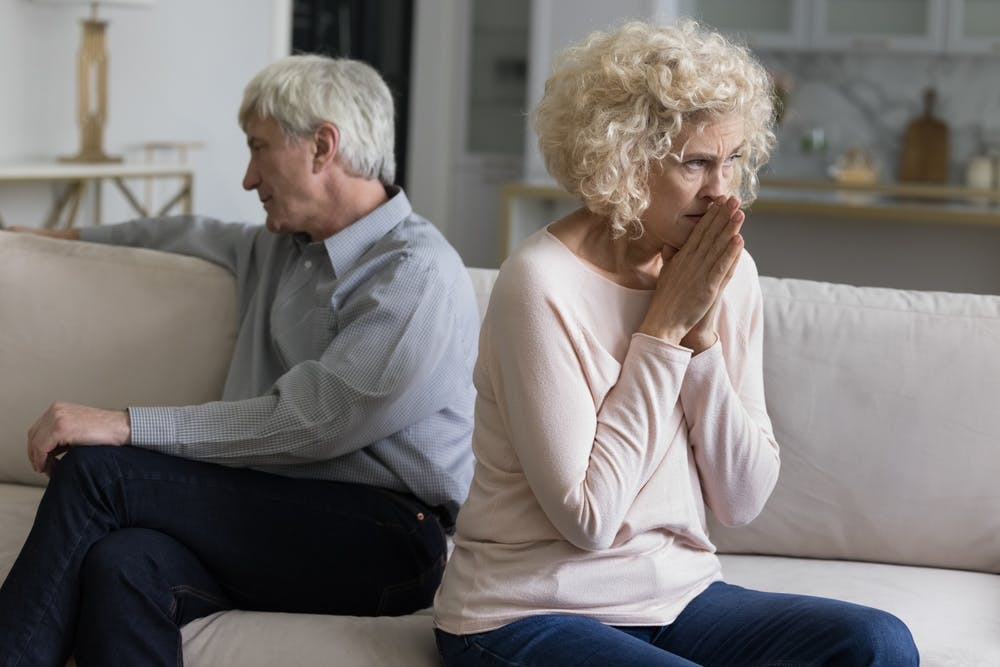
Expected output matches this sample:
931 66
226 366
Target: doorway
378 32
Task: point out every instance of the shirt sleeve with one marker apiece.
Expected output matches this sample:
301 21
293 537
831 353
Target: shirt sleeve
723 400
389 366
227 244
584 462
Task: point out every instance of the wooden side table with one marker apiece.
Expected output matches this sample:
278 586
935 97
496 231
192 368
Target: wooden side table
76 178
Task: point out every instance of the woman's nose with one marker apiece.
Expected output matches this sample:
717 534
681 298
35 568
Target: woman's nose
716 183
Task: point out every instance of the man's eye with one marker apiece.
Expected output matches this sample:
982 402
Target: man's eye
696 164
735 157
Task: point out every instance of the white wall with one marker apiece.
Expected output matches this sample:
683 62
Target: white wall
433 110
176 72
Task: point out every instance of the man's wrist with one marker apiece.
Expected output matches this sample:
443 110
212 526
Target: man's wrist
127 432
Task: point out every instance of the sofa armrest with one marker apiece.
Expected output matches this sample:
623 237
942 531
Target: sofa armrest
105 326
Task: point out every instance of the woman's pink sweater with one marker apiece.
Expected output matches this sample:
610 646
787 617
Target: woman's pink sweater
598 449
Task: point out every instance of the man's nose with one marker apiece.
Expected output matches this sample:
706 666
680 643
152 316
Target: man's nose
250 179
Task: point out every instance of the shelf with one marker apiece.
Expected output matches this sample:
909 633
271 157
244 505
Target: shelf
904 202
527 207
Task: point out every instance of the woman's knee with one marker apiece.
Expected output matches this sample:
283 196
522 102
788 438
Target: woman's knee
880 639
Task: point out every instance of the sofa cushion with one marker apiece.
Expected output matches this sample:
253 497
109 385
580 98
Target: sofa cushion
18 504
885 405
105 326
954 616
259 638
482 285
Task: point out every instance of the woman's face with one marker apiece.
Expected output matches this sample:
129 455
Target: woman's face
681 189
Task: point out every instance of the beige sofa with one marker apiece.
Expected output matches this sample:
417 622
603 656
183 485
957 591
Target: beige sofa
886 404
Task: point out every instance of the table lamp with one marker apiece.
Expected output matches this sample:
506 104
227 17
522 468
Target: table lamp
92 80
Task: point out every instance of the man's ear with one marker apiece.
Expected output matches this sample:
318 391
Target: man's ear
326 142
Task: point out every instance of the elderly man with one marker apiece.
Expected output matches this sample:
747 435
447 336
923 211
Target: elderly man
327 476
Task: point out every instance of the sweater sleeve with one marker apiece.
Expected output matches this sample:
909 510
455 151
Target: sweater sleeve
585 453
723 400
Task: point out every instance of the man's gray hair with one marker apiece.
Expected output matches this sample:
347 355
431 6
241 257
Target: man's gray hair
302 92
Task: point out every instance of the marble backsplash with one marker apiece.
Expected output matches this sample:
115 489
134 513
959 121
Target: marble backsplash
844 101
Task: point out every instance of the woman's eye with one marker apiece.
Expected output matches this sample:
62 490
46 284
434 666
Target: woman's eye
734 157
696 164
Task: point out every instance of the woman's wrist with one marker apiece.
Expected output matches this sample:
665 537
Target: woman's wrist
699 342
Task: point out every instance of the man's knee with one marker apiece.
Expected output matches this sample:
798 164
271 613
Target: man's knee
85 461
121 556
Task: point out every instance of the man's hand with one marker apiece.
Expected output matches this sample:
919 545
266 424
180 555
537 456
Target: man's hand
70 234
65 425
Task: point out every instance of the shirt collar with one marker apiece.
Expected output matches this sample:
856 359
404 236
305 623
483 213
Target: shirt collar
347 246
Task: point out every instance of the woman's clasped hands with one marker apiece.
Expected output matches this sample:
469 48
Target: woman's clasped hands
693 278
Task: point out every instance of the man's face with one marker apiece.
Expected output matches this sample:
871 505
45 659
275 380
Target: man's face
282 172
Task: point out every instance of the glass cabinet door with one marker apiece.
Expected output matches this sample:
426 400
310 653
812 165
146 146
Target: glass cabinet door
974 26
880 25
760 23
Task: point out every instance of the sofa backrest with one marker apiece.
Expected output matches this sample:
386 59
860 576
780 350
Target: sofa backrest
482 284
886 405
104 326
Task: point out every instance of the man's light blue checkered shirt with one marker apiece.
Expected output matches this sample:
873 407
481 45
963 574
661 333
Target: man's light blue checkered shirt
354 356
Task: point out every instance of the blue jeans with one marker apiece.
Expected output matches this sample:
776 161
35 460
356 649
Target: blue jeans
726 625
128 545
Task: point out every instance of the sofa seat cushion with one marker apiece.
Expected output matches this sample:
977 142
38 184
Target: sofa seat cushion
259 638
18 504
954 615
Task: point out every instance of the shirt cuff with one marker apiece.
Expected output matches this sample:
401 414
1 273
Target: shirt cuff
153 428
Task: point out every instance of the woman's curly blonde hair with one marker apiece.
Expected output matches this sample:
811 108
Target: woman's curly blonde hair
616 102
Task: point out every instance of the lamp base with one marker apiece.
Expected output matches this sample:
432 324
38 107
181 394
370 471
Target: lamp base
92 93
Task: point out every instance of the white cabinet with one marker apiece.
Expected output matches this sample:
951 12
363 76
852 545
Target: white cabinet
880 25
974 26
889 26
924 26
762 24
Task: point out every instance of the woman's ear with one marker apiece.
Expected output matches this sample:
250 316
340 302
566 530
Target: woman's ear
326 142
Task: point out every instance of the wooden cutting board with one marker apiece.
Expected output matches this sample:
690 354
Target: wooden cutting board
924 157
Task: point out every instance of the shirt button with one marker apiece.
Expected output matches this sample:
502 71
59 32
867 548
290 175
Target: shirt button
309 264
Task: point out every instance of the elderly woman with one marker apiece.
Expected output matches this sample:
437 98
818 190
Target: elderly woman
620 388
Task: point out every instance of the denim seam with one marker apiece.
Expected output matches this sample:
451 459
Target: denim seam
433 571
63 565
191 591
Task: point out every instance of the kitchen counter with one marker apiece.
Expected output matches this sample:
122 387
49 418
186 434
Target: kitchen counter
529 206
882 201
